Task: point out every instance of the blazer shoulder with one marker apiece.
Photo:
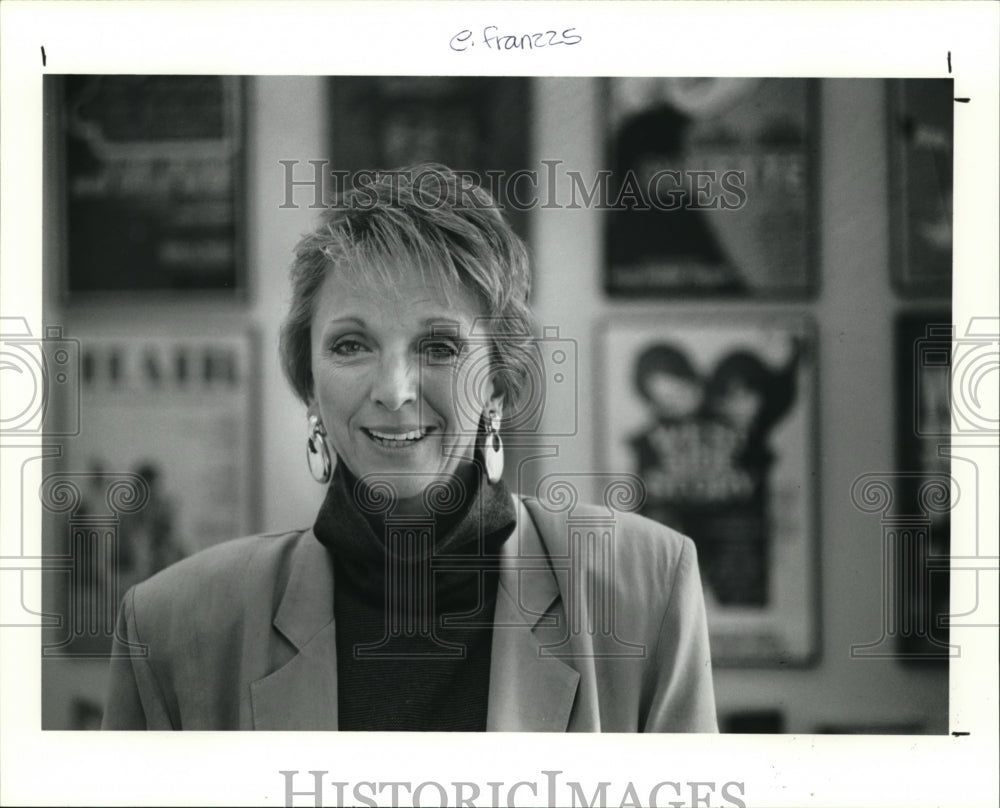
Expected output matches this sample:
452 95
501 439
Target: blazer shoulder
637 529
634 535
221 575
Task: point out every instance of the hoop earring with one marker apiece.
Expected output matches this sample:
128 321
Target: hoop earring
493 448
317 452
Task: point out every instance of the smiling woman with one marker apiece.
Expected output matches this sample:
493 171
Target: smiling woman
426 595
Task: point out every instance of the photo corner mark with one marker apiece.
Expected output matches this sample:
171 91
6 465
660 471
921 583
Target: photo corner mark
43 55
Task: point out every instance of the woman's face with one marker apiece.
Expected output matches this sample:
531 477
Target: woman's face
387 381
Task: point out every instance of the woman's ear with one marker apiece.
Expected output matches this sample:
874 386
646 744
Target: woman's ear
494 399
312 409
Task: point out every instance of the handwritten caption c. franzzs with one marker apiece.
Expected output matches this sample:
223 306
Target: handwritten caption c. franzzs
492 39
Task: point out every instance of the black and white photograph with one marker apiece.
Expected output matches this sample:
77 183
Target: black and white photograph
368 426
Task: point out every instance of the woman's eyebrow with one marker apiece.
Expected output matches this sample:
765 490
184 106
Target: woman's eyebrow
349 320
442 326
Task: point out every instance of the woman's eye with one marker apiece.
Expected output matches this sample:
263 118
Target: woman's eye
441 352
347 347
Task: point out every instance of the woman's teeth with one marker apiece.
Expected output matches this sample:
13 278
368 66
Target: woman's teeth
397 439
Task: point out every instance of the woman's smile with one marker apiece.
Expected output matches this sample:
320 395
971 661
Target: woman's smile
395 440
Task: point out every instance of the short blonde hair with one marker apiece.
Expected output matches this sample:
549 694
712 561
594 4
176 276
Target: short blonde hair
432 218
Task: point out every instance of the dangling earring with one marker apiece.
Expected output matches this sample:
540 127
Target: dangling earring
317 452
493 448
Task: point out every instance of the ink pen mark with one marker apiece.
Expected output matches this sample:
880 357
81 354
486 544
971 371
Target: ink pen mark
959 734
963 100
949 61
43 56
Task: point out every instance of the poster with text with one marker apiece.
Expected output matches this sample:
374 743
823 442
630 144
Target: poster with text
152 177
162 468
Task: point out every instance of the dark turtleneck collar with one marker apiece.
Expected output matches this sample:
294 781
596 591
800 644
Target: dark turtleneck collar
354 522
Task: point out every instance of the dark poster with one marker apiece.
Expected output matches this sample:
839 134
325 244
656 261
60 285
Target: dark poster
921 159
712 187
468 123
921 550
153 182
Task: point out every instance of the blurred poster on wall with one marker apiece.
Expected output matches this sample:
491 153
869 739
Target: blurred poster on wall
718 421
162 466
712 187
469 123
152 180
921 152
922 519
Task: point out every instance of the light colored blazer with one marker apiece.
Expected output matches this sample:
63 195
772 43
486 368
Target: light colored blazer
241 636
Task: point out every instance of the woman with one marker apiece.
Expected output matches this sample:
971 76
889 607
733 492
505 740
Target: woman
425 596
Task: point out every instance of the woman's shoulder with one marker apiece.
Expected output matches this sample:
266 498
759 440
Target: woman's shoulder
236 567
631 534
642 561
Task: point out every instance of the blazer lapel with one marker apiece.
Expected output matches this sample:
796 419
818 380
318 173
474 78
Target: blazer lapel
302 694
528 691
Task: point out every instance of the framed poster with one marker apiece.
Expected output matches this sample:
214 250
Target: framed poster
920 523
152 184
469 123
712 187
718 419
162 467
921 156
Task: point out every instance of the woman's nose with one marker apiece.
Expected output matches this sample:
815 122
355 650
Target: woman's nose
395 383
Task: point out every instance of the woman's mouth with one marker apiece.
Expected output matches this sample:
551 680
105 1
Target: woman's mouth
396 440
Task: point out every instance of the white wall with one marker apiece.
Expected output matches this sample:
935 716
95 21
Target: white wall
287 123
